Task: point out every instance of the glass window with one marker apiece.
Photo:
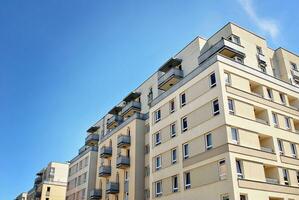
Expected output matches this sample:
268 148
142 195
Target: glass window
173 156
158 188
171 106
172 130
186 150
183 99
287 123
274 118
285 176
187 180
175 185
157 138
158 162
293 66
209 144
293 150
234 39
298 177
227 78
263 69
222 170
282 98
235 135
212 80
239 169
225 197
157 115
243 197
216 107
280 147
184 124
231 108
259 50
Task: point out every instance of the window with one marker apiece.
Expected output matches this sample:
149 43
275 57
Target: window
227 78
263 69
158 162
280 147
269 92
158 188
146 149
48 189
172 130
212 80
225 197
150 95
184 124
222 170
239 169
238 59
234 39
259 50
293 150
231 108
157 115
293 66
186 150
175 184
282 98
235 135
173 156
285 176
183 99
287 122
187 180
274 119
52 170
243 197
171 106
298 177
209 144
216 107
157 138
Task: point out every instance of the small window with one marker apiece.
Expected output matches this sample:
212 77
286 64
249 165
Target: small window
293 66
269 92
173 156
274 119
259 50
212 80
285 176
287 122
172 130
158 187
187 180
209 144
239 169
297 177
231 108
215 107
186 151
48 189
183 99
293 150
222 170
175 185
158 162
243 197
157 115
280 147
234 39
235 135
227 78
282 98
184 124
157 138
225 197
171 106
263 69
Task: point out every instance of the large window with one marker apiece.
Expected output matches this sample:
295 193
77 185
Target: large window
215 104
209 143
175 184
158 188
186 150
212 80
184 124
187 180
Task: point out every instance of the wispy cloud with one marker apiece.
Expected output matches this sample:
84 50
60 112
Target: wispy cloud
268 26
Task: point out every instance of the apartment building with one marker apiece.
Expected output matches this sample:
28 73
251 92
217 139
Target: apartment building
218 120
50 183
82 169
22 196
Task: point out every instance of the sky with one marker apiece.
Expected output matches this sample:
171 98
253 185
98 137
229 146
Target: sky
65 63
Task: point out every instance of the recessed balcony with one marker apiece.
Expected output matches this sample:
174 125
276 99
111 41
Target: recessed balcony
271 174
266 143
123 162
104 171
95 194
123 141
106 152
256 89
130 108
92 139
112 188
261 115
114 121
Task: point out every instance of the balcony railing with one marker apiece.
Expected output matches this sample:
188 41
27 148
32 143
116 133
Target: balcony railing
113 121
123 141
112 188
92 139
170 78
262 121
267 149
106 152
272 180
123 162
262 59
131 106
104 171
95 194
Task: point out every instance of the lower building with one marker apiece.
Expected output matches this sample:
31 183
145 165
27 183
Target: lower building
22 196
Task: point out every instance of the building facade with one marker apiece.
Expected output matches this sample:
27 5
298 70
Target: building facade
22 196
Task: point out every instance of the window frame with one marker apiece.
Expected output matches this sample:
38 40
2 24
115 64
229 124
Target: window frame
274 119
213 80
227 78
171 106
183 97
293 150
287 120
286 177
208 138
157 115
236 132
280 146
158 158
173 130
231 106
186 151
157 194
157 142
239 169
175 184
183 121
187 176
173 160
215 102
222 176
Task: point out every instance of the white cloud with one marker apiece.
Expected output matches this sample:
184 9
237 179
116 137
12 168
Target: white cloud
268 26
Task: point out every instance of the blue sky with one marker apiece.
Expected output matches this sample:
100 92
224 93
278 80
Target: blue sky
65 63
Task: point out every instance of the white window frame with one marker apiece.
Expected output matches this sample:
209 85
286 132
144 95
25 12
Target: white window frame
280 146
294 66
227 78
187 185
259 50
174 152
173 130
274 119
239 169
175 181
158 166
224 175
230 103
157 115
182 124
282 98
185 154
171 109
215 112
157 194
213 75
269 93
181 99
286 177
236 132
235 39
209 136
157 135
293 150
287 122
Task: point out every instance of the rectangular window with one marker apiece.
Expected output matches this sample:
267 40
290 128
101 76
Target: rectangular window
280 147
259 50
293 150
186 151
298 177
126 175
235 135
183 99
172 130
293 66
158 162
269 92
187 180
158 187
173 156
212 80
184 124
175 185
231 108
234 39
209 143
243 197
227 78
274 119
287 122
157 115
222 170
157 138
224 197
239 169
171 106
282 98
285 176
215 107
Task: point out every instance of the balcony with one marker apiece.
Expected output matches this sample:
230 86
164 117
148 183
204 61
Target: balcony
293 102
112 188
131 108
123 141
224 47
295 74
38 180
271 174
92 139
114 121
95 194
262 60
123 162
104 171
106 152
266 143
170 78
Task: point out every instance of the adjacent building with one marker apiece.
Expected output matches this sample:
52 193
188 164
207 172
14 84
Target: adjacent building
22 196
218 120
